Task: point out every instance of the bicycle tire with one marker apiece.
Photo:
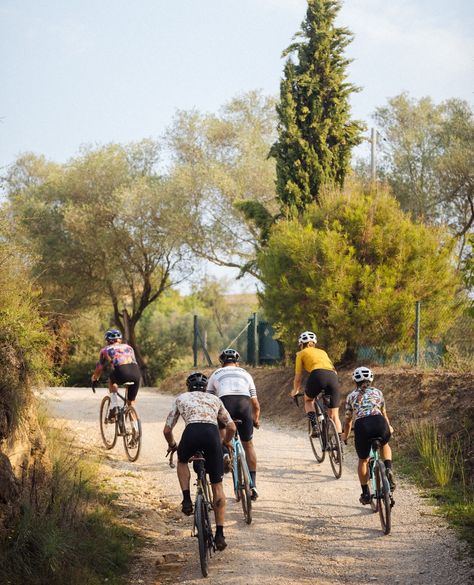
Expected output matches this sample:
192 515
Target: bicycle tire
383 493
235 477
317 443
201 523
107 430
132 439
244 489
334 448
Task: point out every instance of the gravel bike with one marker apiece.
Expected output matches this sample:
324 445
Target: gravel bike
241 476
125 423
327 439
202 526
381 498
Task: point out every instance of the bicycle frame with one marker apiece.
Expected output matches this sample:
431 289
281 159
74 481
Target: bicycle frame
381 495
239 451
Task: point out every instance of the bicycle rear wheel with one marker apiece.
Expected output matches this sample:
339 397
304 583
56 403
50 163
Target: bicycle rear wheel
383 493
204 533
132 439
317 443
244 489
334 448
108 430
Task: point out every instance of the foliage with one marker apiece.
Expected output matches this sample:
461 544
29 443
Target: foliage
104 225
352 269
315 132
219 164
67 532
428 158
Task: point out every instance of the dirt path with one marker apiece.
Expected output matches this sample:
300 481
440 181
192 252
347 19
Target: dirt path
307 528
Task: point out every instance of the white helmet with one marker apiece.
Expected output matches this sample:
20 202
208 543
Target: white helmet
362 374
307 336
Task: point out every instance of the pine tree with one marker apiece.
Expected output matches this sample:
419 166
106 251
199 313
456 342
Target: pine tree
315 132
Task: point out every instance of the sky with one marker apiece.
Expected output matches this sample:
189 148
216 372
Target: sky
77 72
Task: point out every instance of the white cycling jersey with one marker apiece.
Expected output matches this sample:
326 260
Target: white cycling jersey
231 381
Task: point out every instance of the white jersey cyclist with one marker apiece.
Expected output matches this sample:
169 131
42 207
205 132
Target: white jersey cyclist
231 382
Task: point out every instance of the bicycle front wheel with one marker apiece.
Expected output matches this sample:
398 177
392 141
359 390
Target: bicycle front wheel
244 489
108 430
334 448
317 443
204 533
132 439
383 493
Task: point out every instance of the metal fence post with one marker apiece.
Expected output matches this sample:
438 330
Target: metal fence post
255 340
195 340
417 332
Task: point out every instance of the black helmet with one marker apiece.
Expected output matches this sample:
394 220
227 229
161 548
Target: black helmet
112 335
229 356
196 381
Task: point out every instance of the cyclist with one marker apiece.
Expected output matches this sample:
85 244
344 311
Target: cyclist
322 378
236 388
201 413
366 406
124 368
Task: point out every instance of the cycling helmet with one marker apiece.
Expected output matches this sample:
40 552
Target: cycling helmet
112 335
307 336
229 356
362 374
196 381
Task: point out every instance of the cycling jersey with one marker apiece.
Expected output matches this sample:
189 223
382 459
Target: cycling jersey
367 403
116 354
231 381
312 358
197 407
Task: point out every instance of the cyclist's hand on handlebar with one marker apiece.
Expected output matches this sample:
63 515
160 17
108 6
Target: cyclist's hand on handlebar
171 449
256 424
94 385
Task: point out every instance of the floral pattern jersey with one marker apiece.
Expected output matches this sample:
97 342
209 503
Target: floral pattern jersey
198 407
117 354
360 404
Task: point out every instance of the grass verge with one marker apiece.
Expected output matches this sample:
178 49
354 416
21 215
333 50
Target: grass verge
67 530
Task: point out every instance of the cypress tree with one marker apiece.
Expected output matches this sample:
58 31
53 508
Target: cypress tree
315 132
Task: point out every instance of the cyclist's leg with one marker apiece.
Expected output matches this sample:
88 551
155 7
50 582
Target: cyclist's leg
215 469
387 454
113 389
332 391
186 449
362 447
311 391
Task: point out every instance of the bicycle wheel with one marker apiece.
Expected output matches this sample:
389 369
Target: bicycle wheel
383 494
374 503
317 443
244 489
204 533
334 448
132 439
108 430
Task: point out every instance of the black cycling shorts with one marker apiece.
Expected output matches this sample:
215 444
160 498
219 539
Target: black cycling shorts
240 408
127 373
203 437
324 381
368 428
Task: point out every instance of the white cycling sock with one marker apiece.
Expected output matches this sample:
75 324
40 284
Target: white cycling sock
113 399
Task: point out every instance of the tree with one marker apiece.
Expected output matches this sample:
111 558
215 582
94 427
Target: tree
220 167
105 227
428 159
352 269
315 132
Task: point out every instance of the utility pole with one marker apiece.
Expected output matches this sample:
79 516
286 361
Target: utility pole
373 155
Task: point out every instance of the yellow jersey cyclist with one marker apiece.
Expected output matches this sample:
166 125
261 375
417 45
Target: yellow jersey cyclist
201 413
366 406
124 368
236 388
322 378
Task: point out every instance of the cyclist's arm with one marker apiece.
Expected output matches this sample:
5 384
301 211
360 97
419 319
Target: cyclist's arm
255 410
171 420
384 412
229 432
347 421
99 367
296 384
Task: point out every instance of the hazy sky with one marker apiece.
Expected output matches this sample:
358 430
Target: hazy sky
95 71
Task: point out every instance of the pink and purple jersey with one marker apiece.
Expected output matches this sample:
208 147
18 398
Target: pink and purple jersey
117 354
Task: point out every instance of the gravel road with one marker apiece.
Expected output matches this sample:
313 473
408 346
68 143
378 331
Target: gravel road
307 526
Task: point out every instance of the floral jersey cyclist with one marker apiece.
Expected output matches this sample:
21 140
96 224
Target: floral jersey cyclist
124 368
369 403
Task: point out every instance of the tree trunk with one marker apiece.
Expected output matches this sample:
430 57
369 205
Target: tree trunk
129 333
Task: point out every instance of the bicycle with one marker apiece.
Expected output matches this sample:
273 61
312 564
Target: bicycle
126 424
381 498
328 440
202 527
241 476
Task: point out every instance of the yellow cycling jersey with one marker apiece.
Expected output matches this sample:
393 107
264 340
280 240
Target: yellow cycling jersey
312 358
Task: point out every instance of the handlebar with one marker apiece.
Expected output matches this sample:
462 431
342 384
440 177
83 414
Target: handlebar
295 398
94 385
